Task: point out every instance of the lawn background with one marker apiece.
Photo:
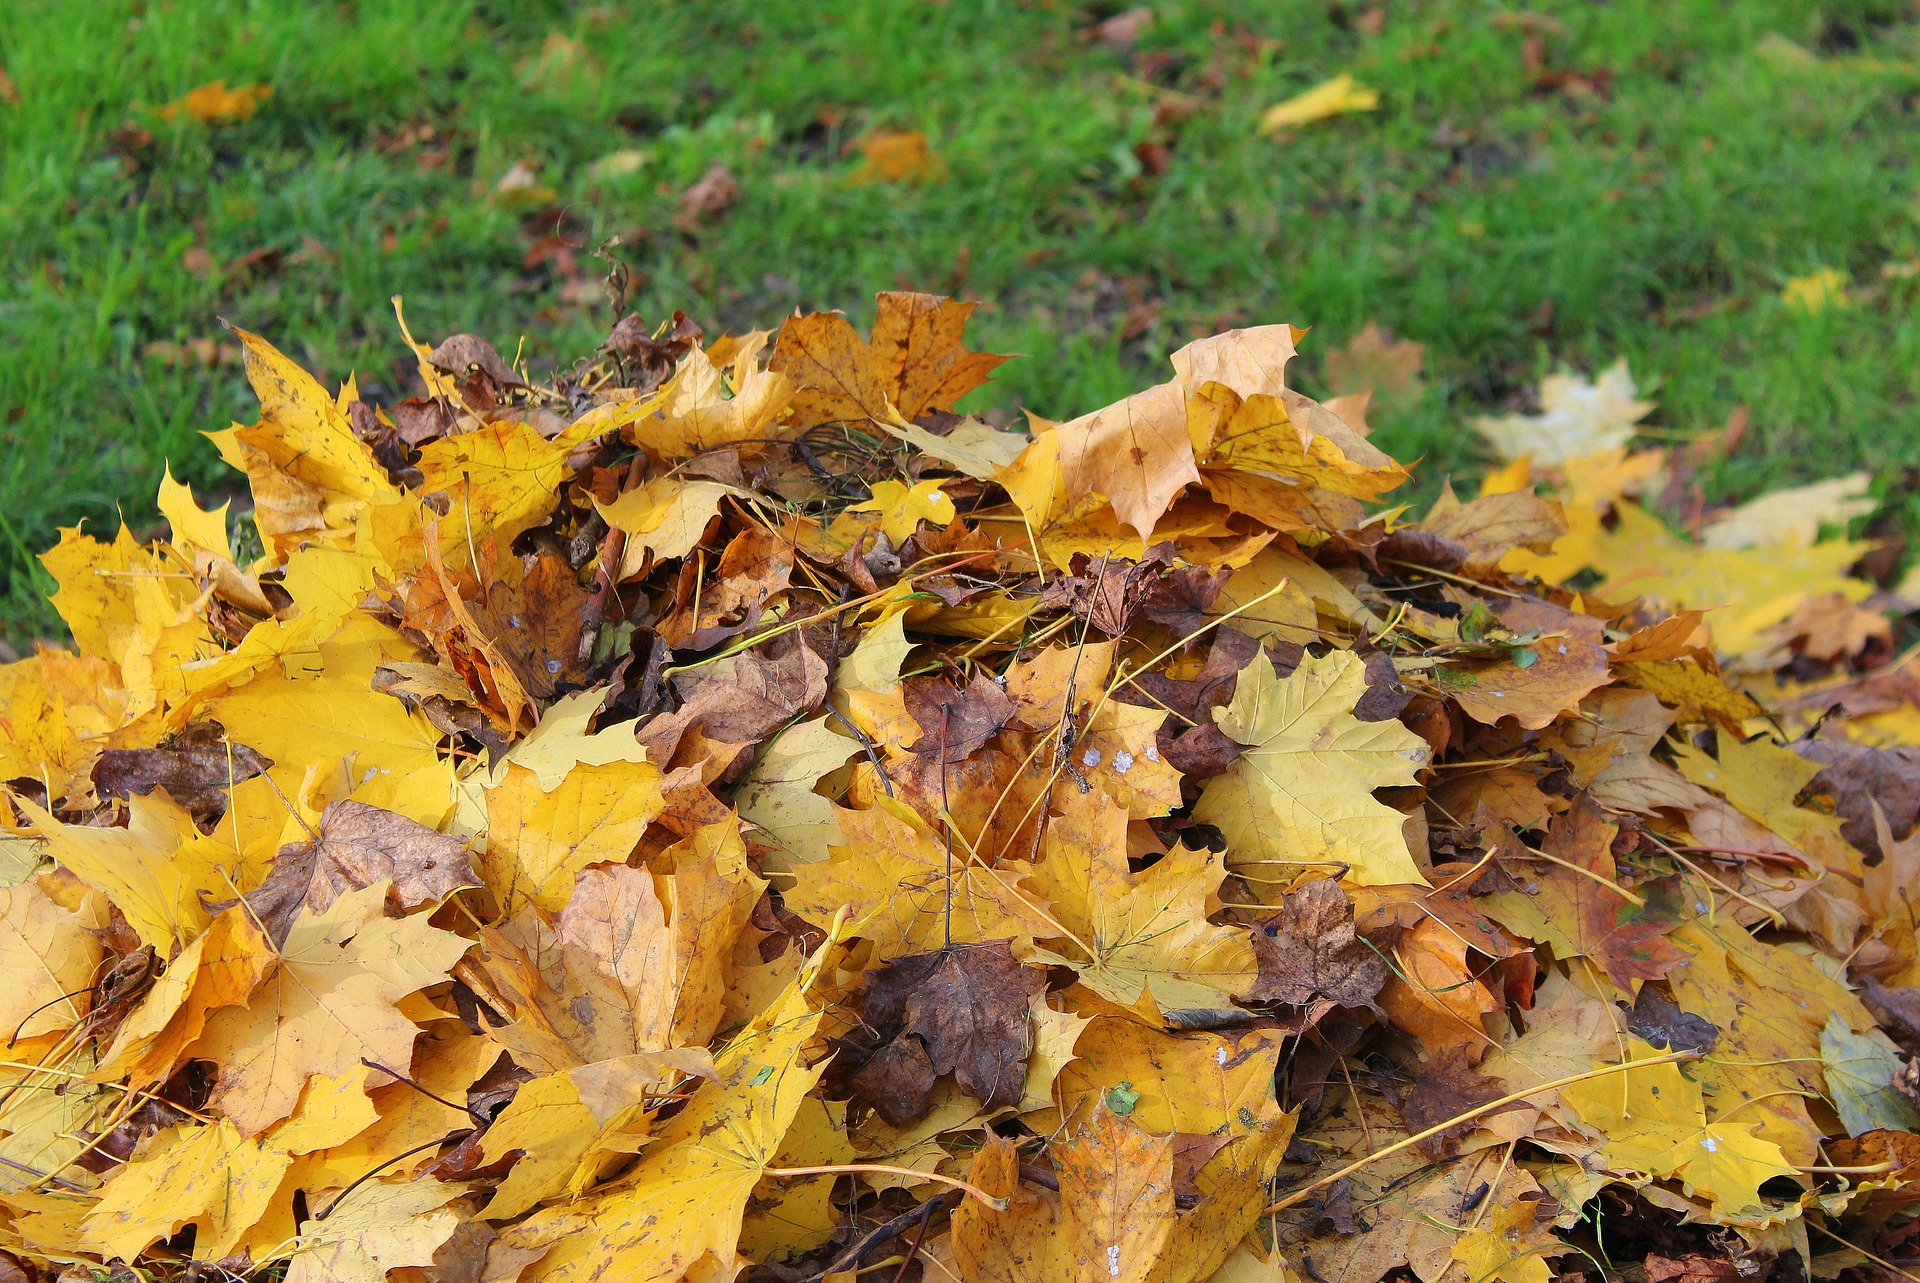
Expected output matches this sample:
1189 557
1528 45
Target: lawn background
1560 186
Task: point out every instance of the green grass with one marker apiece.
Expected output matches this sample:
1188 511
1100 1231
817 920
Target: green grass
1508 229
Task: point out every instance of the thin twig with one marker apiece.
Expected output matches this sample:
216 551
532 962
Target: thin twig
1407 1142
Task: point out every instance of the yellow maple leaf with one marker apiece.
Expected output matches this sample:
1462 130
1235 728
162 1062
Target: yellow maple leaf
328 1004
708 407
140 868
1133 935
49 953
902 507
1577 418
1513 1247
891 876
558 1120
777 796
663 518
1111 1220
499 481
311 475
1302 793
211 1177
381 1226
682 1203
192 526
1257 434
537 839
221 967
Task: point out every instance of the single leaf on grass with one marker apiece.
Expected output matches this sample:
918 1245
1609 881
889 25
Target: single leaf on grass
1302 793
1335 97
1576 418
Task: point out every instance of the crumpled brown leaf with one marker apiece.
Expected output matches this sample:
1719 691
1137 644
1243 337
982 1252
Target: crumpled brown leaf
357 846
1310 955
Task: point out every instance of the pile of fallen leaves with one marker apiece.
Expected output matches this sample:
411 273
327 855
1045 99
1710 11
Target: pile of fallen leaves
720 813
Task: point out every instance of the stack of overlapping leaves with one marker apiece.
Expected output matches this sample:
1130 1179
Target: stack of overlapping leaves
721 813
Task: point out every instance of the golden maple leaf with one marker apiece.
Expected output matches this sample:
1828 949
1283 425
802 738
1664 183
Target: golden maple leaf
1302 793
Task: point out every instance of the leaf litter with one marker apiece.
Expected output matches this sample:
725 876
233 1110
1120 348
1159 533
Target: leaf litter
726 813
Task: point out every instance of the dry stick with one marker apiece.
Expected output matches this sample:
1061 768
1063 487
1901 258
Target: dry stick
1407 1142
946 713
886 1169
1863 1251
854 1252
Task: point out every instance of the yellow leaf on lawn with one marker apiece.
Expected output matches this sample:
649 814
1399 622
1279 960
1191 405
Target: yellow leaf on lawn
327 1006
1577 418
1302 793
215 104
898 156
213 1178
538 840
1816 291
679 1209
1336 97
